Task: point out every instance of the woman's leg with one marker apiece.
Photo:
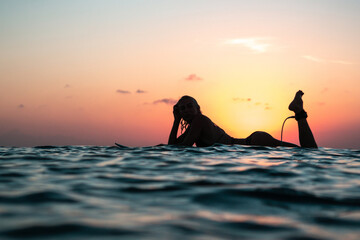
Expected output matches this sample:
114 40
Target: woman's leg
306 137
259 138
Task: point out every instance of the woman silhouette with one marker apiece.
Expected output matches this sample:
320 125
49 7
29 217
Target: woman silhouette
199 129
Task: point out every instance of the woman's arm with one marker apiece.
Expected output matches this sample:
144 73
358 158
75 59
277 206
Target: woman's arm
193 132
173 133
174 129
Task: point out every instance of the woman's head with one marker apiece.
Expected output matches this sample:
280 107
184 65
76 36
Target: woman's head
188 108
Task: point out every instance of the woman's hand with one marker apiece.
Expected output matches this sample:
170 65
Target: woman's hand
176 112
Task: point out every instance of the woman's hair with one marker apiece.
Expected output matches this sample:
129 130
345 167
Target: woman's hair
183 123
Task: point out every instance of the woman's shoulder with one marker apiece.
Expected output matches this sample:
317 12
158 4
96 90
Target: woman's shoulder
203 119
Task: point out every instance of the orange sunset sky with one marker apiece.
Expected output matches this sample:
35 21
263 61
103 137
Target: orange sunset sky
85 72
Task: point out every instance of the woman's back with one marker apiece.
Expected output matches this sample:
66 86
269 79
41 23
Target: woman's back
211 134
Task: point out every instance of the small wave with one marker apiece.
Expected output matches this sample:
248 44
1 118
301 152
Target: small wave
337 221
69 170
10 177
292 196
248 222
266 172
153 189
38 198
36 157
13 175
75 229
206 183
127 178
183 228
284 195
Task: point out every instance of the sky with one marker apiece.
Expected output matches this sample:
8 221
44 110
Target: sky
91 72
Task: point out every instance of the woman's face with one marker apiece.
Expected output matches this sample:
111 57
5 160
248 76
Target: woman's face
188 109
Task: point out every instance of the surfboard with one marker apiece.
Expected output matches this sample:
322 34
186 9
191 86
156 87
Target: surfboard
120 146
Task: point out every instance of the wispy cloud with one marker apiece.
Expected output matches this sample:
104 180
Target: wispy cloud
169 101
322 60
241 99
251 101
343 62
255 44
21 106
314 59
193 77
140 91
123 91
67 86
324 90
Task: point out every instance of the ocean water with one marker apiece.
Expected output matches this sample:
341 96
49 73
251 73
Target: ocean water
167 192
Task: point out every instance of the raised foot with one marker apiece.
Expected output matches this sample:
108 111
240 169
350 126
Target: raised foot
297 104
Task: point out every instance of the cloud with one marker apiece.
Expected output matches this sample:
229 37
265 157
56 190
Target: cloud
21 106
67 86
343 62
324 90
122 91
257 44
140 91
242 99
314 59
321 60
193 77
169 101
251 101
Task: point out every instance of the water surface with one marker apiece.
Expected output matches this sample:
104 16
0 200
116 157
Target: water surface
164 192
